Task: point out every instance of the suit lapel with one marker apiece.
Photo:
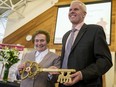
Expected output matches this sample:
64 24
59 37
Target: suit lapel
66 37
64 40
80 34
45 59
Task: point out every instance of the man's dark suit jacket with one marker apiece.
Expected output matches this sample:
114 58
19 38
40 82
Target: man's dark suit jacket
90 55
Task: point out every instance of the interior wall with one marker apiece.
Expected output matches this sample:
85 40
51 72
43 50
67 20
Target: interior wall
47 21
109 76
28 11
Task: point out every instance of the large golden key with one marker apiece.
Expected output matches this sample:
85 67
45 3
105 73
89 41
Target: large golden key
32 68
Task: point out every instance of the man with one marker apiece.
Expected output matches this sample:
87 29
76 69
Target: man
43 57
89 54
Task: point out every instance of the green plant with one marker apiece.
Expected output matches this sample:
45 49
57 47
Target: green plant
9 56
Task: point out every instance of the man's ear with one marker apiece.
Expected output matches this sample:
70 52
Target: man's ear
84 14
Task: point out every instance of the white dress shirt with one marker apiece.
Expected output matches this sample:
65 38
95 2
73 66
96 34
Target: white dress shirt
40 55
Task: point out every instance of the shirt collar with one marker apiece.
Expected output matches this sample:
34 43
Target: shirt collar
43 52
78 27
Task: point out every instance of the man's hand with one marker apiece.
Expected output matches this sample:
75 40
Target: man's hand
76 77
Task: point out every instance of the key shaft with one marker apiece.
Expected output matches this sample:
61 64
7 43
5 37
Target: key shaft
56 70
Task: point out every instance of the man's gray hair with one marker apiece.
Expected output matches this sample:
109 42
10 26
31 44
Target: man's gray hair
81 4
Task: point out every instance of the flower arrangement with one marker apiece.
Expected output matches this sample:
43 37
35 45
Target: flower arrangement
8 56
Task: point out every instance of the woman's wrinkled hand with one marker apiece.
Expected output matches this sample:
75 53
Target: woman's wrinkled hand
21 67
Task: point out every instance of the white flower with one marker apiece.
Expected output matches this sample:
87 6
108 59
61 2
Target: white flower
9 56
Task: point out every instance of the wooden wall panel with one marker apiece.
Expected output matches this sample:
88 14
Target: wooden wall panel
44 21
47 21
113 30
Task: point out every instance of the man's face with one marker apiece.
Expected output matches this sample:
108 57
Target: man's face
40 42
76 14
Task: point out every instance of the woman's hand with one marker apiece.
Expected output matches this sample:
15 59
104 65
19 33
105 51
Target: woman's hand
20 67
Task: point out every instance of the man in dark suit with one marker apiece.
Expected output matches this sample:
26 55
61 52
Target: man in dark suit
89 55
43 57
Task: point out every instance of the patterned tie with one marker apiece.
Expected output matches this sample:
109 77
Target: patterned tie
68 49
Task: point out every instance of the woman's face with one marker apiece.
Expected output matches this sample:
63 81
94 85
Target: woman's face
40 42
